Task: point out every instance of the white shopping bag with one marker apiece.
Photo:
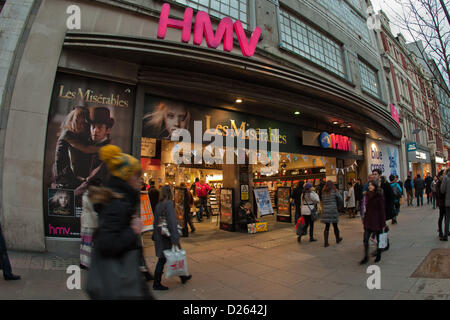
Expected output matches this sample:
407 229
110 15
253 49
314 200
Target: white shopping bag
382 243
176 262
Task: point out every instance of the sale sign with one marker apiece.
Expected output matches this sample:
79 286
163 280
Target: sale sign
146 213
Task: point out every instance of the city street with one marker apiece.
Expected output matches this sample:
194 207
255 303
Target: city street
271 265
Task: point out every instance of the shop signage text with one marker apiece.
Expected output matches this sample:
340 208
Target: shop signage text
440 160
88 95
411 146
335 141
203 28
421 155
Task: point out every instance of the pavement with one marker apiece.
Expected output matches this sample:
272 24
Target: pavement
268 265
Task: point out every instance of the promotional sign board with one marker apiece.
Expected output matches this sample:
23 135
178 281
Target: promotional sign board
383 156
226 209
284 204
85 114
411 146
262 198
146 212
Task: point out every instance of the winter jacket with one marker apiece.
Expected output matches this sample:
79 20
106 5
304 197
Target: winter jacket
408 184
440 195
445 188
388 195
419 185
358 191
330 201
167 209
428 181
309 198
89 217
351 198
114 235
153 196
374 218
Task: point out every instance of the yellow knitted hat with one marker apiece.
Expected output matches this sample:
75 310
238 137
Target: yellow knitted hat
120 164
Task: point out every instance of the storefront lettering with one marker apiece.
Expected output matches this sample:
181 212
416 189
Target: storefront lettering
89 96
257 134
203 29
335 141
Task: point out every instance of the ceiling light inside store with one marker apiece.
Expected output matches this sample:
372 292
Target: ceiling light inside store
297 113
367 133
238 100
349 126
335 122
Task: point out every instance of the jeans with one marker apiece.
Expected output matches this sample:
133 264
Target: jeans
203 206
434 200
4 259
409 197
419 196
187 220
309 222
429 198
160 265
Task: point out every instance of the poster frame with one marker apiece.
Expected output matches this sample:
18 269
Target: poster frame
256 202
284 217
223 225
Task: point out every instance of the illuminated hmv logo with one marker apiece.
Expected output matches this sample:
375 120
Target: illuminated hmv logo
335 141
203 29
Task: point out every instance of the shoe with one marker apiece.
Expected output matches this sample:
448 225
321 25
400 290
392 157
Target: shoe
11 277
364 260
83 267
444 239
339 240
378 258
193 230
312 240
299 239
160 287
184 279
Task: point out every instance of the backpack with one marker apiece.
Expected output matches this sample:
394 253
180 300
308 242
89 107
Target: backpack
396 191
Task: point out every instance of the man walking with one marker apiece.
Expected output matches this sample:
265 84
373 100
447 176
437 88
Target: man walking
409 190
428 182
445 189
4 260
419 186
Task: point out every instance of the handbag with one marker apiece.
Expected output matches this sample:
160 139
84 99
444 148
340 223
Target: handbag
176 262
300 225
251 228
382 240
116 277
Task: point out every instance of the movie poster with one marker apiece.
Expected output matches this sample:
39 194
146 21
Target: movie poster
263 201
85 114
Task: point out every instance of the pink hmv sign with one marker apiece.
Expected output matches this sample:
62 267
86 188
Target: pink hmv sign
203 29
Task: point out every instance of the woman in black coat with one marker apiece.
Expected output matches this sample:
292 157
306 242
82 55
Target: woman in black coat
165 208
388 199
374 219
114 272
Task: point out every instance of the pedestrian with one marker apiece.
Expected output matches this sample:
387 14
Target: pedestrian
202 189
397 192
115 265
434 191
331 199
388 196
309 202
88 223
358 194
165 216
4 260
188 203
409 190
419 186
350 200
445 189
374 219
428 181
153 195
440 199
297 196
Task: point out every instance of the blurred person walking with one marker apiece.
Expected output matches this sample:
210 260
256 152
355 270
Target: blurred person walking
351 202
331 199
115 265
297 196
428 181
435 192
419 186
445 189
397 192
5 264
188 203
409 190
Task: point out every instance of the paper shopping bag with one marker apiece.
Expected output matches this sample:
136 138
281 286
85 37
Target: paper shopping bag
261 226
383 238
251 228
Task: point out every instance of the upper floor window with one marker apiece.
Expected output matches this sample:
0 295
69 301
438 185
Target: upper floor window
349 17
369 79
309 43
236 9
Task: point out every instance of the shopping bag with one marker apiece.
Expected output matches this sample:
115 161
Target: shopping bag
251 228
261 226
300 225
383 239
176 262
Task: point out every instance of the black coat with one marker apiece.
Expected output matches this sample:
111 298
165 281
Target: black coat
374 218
153 195
114 235
167 209
428 181
388 201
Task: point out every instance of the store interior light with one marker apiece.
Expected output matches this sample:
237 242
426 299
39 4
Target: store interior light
238 100
349 126
297 113
367 133
335 122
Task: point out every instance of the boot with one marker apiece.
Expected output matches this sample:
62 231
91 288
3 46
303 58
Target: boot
366 254
157 282
378 258
299 238
184 279
338 238
325 237
148 276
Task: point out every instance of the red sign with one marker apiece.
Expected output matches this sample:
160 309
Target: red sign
203 29
339 142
